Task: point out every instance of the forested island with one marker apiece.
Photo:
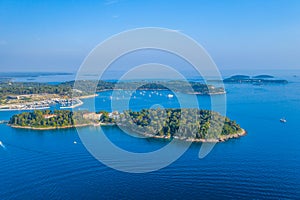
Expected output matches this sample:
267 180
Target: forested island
256 80
184 124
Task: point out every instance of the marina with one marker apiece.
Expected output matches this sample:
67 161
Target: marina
44 104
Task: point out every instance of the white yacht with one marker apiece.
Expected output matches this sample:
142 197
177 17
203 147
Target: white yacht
283 120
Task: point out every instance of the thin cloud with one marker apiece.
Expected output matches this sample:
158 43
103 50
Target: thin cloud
3 42
110 2
172 30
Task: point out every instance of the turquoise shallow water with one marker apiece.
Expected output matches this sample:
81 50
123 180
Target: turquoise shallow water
263 164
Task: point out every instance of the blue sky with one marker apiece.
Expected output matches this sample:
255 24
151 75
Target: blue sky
57 35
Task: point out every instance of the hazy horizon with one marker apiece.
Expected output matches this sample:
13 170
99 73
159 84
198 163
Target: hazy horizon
57 36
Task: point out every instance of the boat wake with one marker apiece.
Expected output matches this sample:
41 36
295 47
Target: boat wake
2 145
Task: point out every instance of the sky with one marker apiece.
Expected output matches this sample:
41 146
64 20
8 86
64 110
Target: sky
238 34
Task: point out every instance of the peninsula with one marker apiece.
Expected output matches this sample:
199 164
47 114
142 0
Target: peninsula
33 96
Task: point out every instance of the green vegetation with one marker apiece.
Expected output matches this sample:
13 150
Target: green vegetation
261 79
105 119
49 119
86 87
182 123
175 85
21 88
185 124
263 76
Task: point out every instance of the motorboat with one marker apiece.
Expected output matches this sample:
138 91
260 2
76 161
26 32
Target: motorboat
283 120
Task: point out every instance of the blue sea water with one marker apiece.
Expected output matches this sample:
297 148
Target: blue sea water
264 164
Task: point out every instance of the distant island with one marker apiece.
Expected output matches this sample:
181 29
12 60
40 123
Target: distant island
32 95
256 80
263 76
190 87
177 123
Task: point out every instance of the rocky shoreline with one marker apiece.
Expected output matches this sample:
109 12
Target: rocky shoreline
211 140
208 140
54 127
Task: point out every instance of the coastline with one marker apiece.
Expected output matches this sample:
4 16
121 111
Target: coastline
223 138
53 128
87 96
15 109
2 107
190 93
194 140
73 106
213 140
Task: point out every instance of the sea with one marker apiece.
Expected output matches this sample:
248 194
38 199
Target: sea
264 164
